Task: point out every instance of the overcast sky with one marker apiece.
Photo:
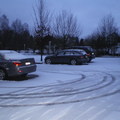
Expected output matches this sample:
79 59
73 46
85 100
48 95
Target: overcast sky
88 12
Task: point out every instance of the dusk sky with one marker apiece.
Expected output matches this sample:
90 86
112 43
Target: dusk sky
88 12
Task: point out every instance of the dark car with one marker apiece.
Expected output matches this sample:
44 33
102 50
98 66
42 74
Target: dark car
68 56
13 63
88 49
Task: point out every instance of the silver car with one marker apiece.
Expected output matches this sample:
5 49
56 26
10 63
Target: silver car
13 63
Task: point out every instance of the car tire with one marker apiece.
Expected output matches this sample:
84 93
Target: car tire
48 61
73 62
2 74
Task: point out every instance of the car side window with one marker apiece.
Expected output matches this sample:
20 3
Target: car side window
60 54
69 53
77 53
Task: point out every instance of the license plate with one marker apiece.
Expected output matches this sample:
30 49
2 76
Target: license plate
27 63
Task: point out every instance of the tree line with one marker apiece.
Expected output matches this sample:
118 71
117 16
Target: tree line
105 37
15 36
57 31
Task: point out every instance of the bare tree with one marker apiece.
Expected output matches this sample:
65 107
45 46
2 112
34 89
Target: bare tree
17 26
107 26
66 26
107 30
4 23
42 23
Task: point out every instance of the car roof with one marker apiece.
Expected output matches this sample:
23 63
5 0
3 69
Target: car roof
76 50
87 48
7 51
11 54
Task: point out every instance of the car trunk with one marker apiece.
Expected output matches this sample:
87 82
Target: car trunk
24 62
24 66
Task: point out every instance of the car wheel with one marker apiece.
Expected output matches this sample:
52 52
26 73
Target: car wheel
2 74
73 62
48 61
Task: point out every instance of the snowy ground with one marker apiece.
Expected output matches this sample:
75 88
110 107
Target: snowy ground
64 92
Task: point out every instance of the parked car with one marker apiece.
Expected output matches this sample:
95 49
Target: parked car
88 49
68 56
13 63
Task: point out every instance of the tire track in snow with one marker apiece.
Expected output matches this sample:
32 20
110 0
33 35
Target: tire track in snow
57 94
107 81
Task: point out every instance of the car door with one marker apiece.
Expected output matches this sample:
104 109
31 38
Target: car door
68 56
59 57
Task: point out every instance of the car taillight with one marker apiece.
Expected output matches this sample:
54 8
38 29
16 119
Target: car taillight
17 63
88 54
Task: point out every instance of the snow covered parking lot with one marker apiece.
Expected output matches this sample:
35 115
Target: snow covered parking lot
64 92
